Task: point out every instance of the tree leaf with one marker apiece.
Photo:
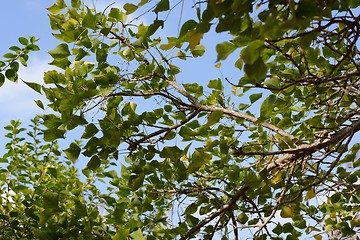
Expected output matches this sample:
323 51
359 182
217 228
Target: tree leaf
254 97
252 52
54 77
73 152
57 7
50 200
89 20
224 50
286 212
94 163
61 51
90 131
2 79
267 106
162 6
137 235
256 71
310 194
34 86
198 51
23 41
130 8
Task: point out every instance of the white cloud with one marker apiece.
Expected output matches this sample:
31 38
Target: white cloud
17 99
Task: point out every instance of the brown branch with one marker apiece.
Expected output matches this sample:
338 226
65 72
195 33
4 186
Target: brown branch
247 118
224 208
311 148
132 145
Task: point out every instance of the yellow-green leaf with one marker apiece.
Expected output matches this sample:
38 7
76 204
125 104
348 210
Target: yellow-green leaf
310 194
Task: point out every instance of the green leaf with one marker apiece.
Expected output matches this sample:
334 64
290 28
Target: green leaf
90 131
11 74
23 41
2 79
215 84
50 200
188 25
198 51
94 163
40 104
254 97
54 77
162 6
252 52
310 194
137 235
243 218
111 174
136 181
239 63
273 83
267 106
61 51
90 20
57 7
130 8
256 71
34 86
118 15
214 118
81 54
75 3
73 152
9 55
278 229
53 134
224 49
286 212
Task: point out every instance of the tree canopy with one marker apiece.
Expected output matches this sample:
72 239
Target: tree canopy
273 154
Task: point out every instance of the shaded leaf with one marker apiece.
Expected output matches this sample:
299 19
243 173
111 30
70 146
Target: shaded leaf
94 163
224 49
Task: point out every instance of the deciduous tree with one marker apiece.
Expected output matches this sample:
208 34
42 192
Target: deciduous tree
275 153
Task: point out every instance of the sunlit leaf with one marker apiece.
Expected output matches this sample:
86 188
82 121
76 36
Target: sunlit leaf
61 51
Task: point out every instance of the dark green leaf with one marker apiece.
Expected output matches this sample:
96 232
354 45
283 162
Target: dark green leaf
254 97
2 79
252 52
94 163
73 152
224 49
90 131
51 200
162 6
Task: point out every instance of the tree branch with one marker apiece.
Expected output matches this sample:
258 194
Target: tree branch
304 150
224 208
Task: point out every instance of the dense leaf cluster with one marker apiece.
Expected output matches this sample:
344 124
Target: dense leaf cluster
276 155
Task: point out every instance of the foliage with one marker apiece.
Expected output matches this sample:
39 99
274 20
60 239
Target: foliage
10 66
273 155
42 196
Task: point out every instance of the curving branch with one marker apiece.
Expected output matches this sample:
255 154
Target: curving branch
308 149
